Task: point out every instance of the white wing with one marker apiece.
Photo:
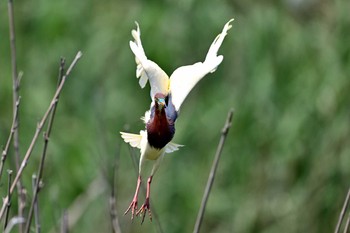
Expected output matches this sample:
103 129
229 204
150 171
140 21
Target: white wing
147 116
140 141
171 147
147 69
186 77
133 139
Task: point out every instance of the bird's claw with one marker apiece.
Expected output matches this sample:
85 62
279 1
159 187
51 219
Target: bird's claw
133 208
144 208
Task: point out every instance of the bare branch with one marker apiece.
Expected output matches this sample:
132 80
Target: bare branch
9 195
38 130
15 95
14 221
15 82
36 205
43 156
112 198
5 150
214 166
13 45
346 228
114 215
342 213
64 222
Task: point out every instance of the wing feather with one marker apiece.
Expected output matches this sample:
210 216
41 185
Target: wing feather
148 70
133 139
171 147
186 77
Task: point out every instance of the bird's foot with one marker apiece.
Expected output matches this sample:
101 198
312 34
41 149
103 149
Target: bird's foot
144 208
133 204
133 208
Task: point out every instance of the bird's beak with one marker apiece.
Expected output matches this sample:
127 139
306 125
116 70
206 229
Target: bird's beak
161 103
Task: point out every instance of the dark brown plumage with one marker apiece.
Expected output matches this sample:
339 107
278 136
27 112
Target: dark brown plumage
161 126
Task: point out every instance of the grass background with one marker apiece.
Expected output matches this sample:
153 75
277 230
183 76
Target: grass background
286 164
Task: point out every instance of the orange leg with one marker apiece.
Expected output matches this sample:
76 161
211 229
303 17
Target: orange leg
133 204
146 206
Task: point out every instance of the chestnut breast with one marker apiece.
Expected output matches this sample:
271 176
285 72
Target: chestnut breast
160 129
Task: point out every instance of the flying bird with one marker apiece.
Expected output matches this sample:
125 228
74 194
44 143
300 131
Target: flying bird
167 95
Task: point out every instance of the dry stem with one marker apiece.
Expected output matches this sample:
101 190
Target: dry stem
214 166
64 222
15 82
5 150
36 205
112 198
43 156
347 224
9 203
15 95
342 214
113 214
38 130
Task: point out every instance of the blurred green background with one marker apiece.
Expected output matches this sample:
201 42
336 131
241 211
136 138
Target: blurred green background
286 163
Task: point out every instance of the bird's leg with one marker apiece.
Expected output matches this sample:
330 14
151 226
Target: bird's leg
146 206
133 204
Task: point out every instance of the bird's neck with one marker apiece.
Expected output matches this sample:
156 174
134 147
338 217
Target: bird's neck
160 119
160 129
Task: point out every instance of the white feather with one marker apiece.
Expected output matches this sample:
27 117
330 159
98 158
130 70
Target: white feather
140 141
186 77
171 147
180 84
146 117
148 70
133 139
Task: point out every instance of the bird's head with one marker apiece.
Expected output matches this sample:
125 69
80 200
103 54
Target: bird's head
159 100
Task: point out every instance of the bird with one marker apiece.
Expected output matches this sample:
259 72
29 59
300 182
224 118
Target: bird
167 95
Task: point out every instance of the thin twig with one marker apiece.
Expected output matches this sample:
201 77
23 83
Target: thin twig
13 48
347 224
112 198
143 188
213 169
342 213
13 222
15 83
36 205
5 150
38 130
64 222
43 156
15 95
114 214
9 172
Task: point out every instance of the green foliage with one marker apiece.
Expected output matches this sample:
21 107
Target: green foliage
286 163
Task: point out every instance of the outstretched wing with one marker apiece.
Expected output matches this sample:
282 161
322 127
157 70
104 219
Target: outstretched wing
147 69
171 147
186 77
133 139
